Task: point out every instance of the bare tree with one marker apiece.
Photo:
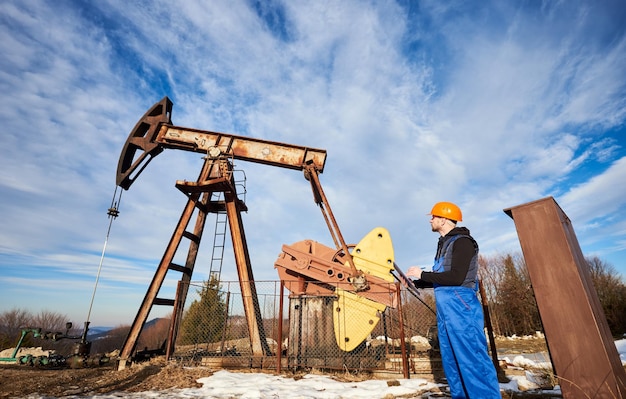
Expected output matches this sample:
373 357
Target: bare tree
11 323
514 308
490 271
515 302
154 336
49 321
418 316
611 293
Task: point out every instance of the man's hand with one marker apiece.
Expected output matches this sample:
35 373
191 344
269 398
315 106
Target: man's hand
415 272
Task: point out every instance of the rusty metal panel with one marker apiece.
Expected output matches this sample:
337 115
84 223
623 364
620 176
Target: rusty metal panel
308 267
582 349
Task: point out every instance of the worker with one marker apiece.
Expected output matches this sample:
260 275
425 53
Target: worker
469 371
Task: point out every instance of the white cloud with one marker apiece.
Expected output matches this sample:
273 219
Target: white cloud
599 198
450 103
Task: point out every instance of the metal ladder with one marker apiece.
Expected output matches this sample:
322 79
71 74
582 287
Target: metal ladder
219 241
221 222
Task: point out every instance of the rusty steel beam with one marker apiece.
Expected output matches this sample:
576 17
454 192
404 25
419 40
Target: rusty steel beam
249 295
154 132
582 349
311 173
243 148
150 299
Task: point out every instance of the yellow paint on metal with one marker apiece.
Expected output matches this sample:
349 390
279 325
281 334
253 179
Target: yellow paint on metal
373 255
354 318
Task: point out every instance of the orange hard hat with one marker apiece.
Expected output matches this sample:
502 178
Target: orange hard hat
447 210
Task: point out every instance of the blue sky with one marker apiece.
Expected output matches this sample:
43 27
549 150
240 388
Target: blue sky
488 104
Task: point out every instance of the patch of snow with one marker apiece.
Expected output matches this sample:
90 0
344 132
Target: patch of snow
621 349
7 353
523 362
418 339
225 384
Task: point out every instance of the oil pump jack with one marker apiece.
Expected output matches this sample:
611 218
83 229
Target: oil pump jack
360 276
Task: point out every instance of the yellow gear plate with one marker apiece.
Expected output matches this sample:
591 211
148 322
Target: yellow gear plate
373 255
355 316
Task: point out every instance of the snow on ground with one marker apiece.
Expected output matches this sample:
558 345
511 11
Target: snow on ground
621 349
225 384
231 385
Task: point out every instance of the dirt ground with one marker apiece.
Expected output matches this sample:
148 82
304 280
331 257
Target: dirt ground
21 381
25 381
155 375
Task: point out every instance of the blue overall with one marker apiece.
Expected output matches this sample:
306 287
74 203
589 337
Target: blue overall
460 322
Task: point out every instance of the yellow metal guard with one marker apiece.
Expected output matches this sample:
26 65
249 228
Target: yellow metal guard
355 316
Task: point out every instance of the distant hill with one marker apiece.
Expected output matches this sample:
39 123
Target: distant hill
99 332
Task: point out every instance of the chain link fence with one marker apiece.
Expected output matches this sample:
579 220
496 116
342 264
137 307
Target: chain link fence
329 332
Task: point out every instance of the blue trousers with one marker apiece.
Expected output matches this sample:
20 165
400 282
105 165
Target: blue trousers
469 369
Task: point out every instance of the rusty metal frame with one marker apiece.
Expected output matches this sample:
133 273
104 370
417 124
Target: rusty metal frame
212 179
582 349
151 135
154 133
195 201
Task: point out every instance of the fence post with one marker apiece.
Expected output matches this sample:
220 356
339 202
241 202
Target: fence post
405 360
279 350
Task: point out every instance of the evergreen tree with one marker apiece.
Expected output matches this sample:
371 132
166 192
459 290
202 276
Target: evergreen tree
205 319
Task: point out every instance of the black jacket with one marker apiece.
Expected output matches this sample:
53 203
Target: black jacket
463 251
